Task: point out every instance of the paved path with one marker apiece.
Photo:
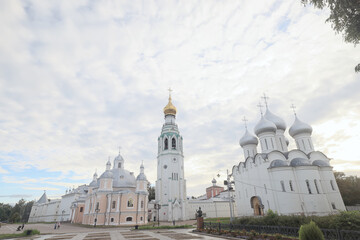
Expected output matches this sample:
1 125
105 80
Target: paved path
78 232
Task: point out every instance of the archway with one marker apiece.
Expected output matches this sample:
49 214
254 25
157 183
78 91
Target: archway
257 205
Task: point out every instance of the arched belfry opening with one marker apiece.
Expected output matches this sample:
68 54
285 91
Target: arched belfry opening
173 143
166 144
257 205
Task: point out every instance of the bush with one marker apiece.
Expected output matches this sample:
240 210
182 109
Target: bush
345 220
310 232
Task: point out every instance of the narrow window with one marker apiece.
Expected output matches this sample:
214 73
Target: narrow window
265 188
291 186
97 206
282 186
316 186
113 204
112 219
142 204
173 143
266 145
272 143
332 185
130 203
303 143
166 144
119 165
308 186
248 153
282 144
129 219
309 144
81 209
141 218
333 206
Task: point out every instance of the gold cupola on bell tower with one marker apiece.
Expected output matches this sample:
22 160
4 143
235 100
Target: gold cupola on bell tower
170 109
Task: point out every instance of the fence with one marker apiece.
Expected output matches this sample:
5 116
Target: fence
329 234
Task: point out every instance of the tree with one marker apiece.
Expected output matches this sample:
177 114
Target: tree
349 188
344 18
151 191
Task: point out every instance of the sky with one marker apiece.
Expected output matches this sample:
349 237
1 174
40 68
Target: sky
79 79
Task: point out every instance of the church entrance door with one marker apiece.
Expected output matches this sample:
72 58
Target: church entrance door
256 204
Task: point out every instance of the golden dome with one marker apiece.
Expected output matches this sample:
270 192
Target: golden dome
170 109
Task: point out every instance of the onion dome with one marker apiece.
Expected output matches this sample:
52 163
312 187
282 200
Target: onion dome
299 127
213 181
279 122
119 158
248 138
107 174
94 181
264 125
170 109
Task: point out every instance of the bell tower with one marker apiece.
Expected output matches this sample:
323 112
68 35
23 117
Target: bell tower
171 184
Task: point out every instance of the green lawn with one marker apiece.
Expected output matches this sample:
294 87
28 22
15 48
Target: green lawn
218 220
17 235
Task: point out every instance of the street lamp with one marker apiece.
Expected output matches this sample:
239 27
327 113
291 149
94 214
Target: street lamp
157 207
96 210
229 183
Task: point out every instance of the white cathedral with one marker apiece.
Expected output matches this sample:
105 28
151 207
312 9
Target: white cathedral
297 181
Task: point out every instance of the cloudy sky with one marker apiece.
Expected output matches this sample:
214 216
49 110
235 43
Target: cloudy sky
78 79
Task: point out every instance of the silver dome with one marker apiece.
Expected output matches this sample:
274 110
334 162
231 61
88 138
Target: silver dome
248 138
106 174
299 127
299 162
278 163
123 178
279 122
264 125
320 163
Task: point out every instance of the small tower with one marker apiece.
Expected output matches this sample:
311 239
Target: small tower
118 161
94 182
106 179
141 180
301 132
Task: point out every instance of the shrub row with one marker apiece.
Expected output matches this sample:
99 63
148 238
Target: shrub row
345 220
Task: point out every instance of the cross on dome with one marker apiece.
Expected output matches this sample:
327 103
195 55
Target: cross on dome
265 100
245 120
260 107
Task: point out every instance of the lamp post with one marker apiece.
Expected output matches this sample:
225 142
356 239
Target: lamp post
229 183
96 211
157 207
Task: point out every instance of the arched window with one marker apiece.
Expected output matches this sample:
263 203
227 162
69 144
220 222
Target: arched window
129 219
166 144
332 185
173 143
119 165
282 186
267 147
316 186
308 186
142 204
130 203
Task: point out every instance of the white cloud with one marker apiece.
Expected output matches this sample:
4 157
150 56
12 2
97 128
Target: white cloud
79 79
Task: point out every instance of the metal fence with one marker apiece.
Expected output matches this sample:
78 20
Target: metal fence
329 234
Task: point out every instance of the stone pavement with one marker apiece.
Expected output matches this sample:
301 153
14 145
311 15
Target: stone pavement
78 232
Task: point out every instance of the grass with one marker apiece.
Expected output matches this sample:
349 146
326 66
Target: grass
164 227
225 220
17 235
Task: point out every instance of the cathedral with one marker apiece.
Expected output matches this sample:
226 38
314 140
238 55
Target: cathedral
114 198
296 181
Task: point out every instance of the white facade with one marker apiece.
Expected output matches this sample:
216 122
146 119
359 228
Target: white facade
299 181
170 183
